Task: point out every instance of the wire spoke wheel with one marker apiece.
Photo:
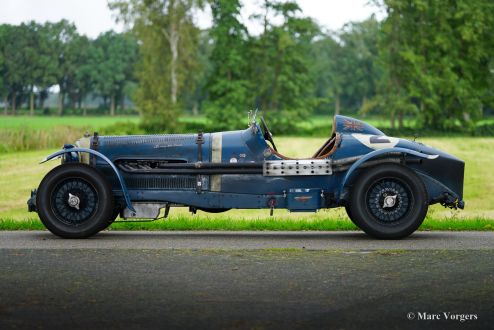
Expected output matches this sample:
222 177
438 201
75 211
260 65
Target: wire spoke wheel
388 201
75 201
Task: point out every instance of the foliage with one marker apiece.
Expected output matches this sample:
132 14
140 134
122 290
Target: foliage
426 59
437 55
227 85
34 57
111 65
346 66
270 71
167 38
279 66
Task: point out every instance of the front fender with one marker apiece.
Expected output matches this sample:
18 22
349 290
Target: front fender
128 202
379 152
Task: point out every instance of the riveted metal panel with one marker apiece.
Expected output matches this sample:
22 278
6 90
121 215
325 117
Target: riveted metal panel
297 167
158 140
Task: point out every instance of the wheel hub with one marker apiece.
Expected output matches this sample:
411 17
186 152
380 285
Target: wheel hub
388 200
74 201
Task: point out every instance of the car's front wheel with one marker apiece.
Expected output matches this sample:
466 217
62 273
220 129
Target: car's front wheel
348 210
74 201
388 202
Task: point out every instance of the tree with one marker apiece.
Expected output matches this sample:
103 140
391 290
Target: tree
39 60
360 55
437 55
346 68
195 91
4 89
329 72
16 63
167 35
86 71
228 85
46 62
280 63
67 47
112 65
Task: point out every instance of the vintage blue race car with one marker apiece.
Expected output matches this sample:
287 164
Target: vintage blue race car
385 184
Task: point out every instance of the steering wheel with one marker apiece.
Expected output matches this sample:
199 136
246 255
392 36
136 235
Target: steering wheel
267 133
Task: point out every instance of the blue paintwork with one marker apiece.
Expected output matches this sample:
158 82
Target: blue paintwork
128 201
443 174
376 153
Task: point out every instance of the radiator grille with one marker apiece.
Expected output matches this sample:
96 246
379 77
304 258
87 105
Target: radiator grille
162 182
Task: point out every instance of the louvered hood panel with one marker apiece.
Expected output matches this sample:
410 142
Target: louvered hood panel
162 146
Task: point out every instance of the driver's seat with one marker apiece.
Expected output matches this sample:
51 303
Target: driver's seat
327 149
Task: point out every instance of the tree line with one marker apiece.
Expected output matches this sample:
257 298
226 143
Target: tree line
36 57
431 60
428 59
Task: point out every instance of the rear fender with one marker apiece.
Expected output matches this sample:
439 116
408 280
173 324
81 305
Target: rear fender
128 202
376 153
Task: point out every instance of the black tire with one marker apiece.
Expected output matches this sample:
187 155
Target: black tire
114 216
388 202
348 210
89 211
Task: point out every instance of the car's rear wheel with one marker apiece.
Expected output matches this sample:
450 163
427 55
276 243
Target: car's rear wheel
74 201
388 202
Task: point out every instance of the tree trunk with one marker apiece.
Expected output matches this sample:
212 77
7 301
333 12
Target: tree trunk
195 110
41 102
14 102
122 103
60 103
400 120
6 104
337 105
174 38
172 34
84 109
364 103
31 103
112 105
392 120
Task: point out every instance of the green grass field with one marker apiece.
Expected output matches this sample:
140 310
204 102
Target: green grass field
47 122
20 172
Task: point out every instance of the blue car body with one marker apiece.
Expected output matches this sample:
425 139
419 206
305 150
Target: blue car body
239 169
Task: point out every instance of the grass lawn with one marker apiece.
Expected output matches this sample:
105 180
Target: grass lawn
46 122
20 172
23 133
92 122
